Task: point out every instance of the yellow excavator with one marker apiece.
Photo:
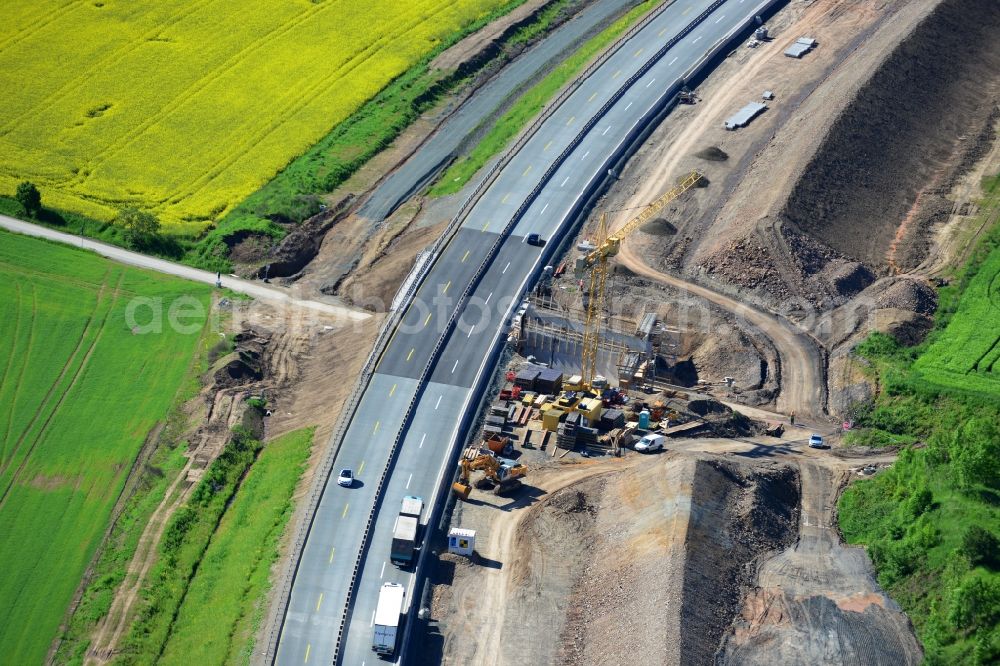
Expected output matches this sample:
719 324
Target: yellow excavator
502 476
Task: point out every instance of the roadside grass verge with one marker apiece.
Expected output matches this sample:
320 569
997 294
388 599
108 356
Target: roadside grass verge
204 598
79 393
182 549
931 523
531 103
225 601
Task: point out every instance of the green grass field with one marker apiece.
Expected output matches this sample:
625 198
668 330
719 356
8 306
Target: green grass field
79 393
931 523
966 354
224 603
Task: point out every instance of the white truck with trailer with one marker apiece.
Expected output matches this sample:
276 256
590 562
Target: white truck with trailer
387 618
402 553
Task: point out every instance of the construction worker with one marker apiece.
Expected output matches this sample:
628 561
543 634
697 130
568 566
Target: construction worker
791 418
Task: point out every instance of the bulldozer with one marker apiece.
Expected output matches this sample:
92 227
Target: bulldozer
501 476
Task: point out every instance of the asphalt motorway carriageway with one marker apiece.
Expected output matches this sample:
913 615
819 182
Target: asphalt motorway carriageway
320 589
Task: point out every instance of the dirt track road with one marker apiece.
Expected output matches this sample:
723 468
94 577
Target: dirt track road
248 287
803 384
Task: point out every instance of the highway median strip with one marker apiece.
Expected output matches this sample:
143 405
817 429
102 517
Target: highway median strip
532 102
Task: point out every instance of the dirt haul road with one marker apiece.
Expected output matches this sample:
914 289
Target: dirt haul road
802 377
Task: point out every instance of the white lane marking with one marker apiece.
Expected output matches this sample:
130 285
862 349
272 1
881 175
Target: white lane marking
438 402
672 61
606 129
653 79
373 620
488 298
470 332
564 181
543 209
719 20
629 104
585 156
422 438
382 575
454 367
505 268
696 39
408 482
523 238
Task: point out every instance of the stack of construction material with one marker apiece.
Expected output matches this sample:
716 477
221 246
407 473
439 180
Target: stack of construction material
567 433
611 419
549 381
527 377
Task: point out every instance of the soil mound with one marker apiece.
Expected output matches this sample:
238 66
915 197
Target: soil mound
658 227
910 295
712 154
897 141
670 559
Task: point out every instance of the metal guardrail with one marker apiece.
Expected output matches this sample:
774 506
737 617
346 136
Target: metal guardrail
393 321
481 272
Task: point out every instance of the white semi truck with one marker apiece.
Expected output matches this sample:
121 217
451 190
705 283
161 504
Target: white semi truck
387 618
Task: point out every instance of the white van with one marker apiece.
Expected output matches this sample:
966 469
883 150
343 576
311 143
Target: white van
649 443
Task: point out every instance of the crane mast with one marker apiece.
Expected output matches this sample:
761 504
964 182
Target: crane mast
597 262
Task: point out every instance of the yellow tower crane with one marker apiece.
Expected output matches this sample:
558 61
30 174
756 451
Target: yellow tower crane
597 262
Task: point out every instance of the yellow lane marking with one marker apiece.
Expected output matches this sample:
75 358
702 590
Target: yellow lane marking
505 197
526 171
393 389
465 256
661 32
547 145
639 52
308 649
615 75
445 290
571 119
685 12
344 515
375 429
410 355
486 226
362 467
319 602
591 99
332 551
428 320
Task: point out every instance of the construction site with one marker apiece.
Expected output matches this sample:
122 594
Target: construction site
640 486
707 308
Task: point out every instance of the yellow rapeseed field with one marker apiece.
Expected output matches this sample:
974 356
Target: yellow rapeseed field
185 107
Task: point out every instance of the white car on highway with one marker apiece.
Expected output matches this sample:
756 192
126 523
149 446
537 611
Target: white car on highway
346 478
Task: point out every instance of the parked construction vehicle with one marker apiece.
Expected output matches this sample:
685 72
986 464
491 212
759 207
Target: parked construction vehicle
501 475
